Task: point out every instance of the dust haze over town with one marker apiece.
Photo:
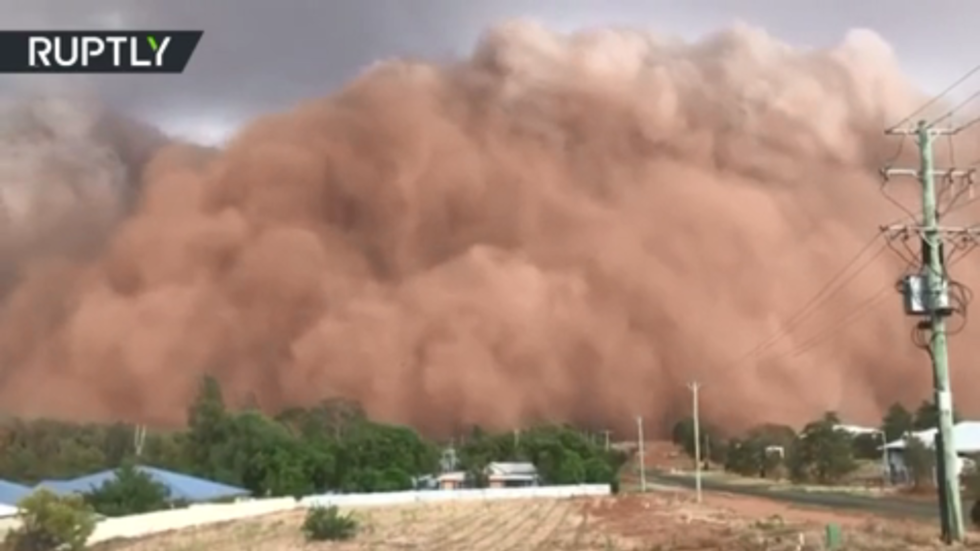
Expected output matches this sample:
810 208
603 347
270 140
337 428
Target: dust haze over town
462 215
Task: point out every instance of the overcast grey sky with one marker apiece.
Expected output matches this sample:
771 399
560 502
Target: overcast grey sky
258 55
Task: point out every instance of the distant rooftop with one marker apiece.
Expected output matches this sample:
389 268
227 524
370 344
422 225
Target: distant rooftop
855 429
966 438
11 492
501 469
182 487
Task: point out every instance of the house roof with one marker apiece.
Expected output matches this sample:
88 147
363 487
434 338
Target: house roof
181 486
856 429
11 492
456 476
966 438
522 469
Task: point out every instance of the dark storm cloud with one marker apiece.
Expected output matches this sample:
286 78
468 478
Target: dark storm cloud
263 54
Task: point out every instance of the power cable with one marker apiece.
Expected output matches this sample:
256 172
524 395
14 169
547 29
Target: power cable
862 309
936 98
825 292
968 123
956 108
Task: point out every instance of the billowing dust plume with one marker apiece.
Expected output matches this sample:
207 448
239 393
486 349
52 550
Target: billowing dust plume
558 228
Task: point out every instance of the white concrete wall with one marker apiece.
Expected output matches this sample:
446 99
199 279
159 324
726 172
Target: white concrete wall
199 515
195 515
398 498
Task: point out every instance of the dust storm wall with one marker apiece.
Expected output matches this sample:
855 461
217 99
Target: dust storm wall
560 227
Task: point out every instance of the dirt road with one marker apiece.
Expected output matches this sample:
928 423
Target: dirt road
890 506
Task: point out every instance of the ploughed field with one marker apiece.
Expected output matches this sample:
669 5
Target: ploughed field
663 520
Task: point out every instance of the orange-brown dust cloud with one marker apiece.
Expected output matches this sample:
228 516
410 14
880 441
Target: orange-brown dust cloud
561 227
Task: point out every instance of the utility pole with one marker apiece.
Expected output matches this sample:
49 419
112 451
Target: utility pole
932 304
643 464
139 437
695 387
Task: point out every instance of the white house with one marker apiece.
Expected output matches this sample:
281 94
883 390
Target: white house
511 475
966 439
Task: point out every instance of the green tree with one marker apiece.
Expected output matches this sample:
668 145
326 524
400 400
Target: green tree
49 523
712 444
898 422
259 454
927 416
866 445
746 457
822 453
208 430
130 492
920 461
598 471
571 469
760 452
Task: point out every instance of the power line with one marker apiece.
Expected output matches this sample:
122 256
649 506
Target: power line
824 293
865 307
949 114
936 98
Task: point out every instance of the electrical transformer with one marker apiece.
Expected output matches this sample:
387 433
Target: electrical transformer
919 301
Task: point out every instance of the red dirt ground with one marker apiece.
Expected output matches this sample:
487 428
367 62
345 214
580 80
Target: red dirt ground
672 520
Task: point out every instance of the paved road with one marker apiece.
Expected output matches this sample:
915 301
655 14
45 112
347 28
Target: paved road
837 500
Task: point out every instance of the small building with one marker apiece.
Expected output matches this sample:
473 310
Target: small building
966 435
511 475
454 480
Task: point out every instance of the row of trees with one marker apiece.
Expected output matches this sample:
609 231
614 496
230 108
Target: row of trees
820 452
330 447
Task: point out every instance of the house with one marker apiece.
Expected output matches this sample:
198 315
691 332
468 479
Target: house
966 439
182 488
454 480
856 430
511 475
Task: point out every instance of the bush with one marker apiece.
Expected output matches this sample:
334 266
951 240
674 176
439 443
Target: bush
130 492
51 522
921 462
327 524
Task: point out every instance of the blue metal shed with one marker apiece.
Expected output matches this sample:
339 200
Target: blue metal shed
11 492
182 487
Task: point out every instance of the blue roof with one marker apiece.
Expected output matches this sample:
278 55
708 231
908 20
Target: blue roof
181 486
11 493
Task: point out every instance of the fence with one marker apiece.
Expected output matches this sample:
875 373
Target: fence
199 515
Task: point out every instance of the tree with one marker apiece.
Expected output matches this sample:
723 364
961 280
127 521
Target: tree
927 416
898 422
866 445
760 452
921 462
822 453
208 428
571 469
130 492
50 522
746 457
598 471
711 442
